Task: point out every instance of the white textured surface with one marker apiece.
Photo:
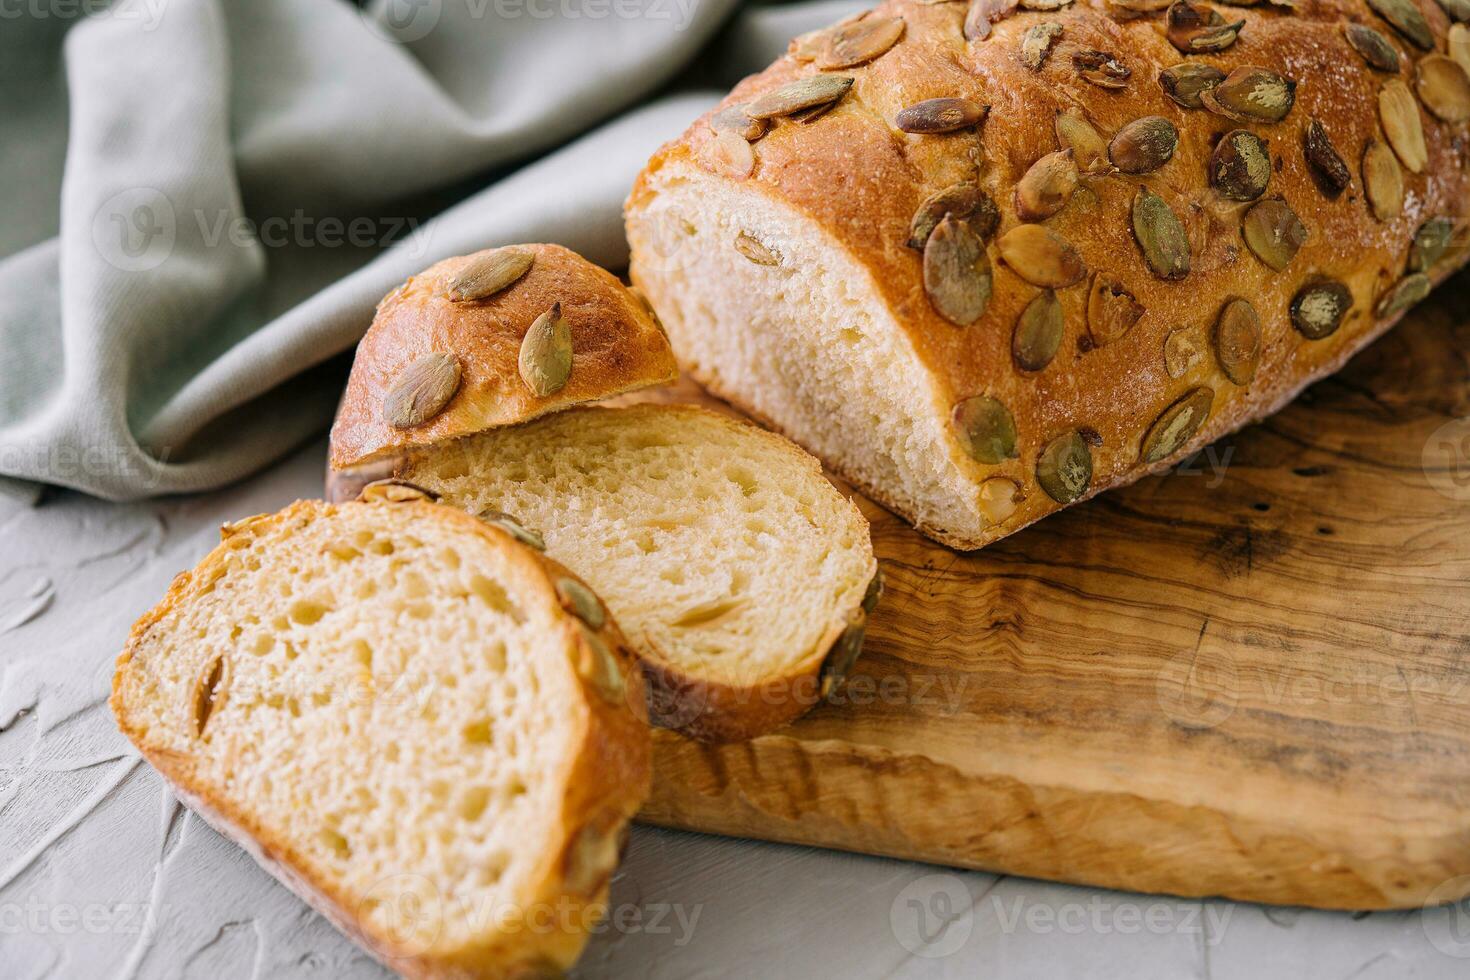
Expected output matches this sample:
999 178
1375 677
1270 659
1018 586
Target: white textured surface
103 875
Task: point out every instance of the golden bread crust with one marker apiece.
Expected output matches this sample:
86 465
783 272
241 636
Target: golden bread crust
617 346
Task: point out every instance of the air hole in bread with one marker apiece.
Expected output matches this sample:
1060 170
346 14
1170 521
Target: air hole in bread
308 613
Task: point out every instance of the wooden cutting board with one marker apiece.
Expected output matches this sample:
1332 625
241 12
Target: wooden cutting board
1250 678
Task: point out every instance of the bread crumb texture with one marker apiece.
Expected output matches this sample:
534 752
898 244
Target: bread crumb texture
720 548
374 697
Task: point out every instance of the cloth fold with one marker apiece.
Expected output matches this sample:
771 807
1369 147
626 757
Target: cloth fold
242 180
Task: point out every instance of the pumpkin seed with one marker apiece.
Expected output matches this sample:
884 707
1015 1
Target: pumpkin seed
1101 68
1273 232
1184 83
597 666
229 529
737 120
546 353
1407 19
1041 256
1373 46
1328 168
986 429
1037 43
1443 88
982 14
580 601
1064 468
729 154
999 498
1459 46
1143 145
1431 241
1138 7
1160 235
1039 331
1238 341
1045 5
488 273
1250 94
966 202
1194 28
1400 117
844 654
1456 10
1240 167
1111 310
207 693
395 491
754 250
510 525
1088 148
804 93
1383 181
860 42
1046 187
873 592
940 116
1406 293
422 390
1318 308
1176 425
806 47
804 116
1181 353
957 274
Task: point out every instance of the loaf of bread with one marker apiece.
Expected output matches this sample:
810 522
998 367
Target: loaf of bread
494 338
740 575
427 730
988 260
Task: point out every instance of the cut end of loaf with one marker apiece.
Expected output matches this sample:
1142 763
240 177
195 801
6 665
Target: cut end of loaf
729 561
796 333
382 701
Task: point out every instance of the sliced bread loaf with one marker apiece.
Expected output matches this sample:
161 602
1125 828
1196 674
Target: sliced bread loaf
739 573
416 723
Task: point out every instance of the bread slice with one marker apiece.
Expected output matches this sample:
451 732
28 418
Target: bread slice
389 706
447 352
736 569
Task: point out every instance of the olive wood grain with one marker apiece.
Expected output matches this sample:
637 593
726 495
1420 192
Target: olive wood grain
1254 684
